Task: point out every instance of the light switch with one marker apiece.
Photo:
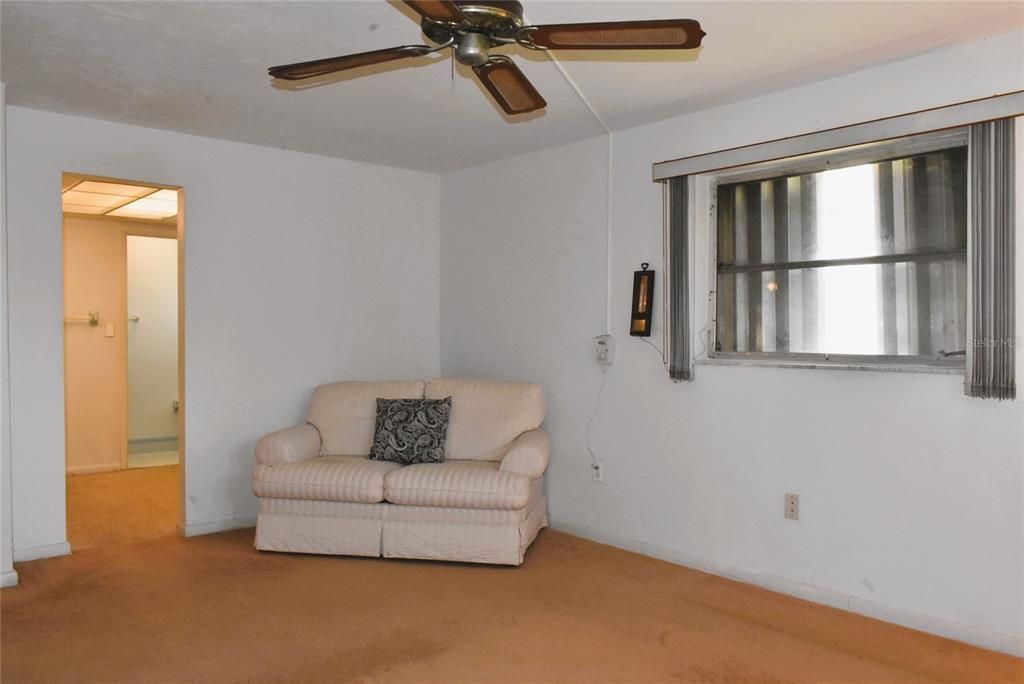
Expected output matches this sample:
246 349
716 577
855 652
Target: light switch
110 330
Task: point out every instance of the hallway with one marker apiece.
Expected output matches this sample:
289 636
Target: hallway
123 507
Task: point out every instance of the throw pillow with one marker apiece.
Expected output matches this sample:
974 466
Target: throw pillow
411 430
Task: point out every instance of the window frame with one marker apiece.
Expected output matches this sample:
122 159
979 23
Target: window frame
809 163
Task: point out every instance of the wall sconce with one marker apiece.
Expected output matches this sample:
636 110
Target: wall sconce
643 297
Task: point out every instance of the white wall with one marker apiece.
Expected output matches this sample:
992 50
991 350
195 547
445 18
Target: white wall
910 492
8 576
152 265
299 269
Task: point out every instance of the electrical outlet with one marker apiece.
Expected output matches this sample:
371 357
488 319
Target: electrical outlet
597 471
792 506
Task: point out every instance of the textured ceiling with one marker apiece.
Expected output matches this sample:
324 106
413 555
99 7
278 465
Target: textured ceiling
200 67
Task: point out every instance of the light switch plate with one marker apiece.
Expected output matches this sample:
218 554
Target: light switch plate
110 330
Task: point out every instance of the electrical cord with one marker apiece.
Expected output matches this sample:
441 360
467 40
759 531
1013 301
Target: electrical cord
705 338
653 346
597 405
705 335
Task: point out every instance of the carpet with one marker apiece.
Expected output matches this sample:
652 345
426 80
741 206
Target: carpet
212 609
123 507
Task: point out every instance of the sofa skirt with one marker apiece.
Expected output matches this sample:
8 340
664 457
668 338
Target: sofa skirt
396 531
449 536
330 527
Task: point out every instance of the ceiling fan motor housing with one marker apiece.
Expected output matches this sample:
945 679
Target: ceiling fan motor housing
485 25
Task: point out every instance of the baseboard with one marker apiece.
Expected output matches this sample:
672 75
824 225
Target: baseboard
148 445
199 529
44 551
9 578
951 629
90 469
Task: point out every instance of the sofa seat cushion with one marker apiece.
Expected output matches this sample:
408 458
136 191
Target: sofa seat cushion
354 479
457 484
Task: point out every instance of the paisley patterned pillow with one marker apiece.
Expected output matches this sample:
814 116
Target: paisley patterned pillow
411 430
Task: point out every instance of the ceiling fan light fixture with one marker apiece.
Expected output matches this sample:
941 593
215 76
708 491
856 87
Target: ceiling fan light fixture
473 49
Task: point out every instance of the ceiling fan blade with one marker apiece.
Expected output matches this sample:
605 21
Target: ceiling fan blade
509 86
436 10
319 67
657 34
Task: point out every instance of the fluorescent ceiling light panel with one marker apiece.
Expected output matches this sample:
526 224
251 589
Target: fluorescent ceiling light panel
121 189
160 205
79 209
92 199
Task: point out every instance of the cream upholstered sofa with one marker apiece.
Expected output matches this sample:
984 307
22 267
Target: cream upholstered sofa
319 493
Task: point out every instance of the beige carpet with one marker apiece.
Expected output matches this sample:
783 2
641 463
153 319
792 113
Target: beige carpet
211 609
123 507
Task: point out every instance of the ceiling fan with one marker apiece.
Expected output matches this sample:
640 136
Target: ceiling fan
472 28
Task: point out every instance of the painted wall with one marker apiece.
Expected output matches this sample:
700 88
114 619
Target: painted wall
152 279
911 494
8 576
299 269
94 362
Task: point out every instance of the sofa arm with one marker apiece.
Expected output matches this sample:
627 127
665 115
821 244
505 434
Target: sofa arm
292 444
529 454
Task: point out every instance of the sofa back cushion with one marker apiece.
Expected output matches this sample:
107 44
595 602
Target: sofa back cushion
487 415
345 412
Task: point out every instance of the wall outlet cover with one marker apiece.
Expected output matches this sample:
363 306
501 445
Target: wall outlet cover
792 511
604 350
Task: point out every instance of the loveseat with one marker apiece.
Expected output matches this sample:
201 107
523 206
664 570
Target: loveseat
319 493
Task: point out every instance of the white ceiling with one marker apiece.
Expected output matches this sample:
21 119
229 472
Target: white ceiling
200 67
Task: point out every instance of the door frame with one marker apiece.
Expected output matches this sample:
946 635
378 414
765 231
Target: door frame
164 230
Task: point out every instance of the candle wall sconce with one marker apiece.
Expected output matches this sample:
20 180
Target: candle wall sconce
643 298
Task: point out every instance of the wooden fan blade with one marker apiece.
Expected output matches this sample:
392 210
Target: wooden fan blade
319 67
659 34
436 10
509 86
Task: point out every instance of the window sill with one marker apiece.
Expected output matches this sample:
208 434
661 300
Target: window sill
782 362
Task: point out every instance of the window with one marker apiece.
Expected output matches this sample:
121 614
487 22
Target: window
858 255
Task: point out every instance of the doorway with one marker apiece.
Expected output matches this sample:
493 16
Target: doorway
122 359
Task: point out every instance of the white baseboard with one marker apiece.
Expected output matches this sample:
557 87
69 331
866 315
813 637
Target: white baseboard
8 578
90 469
199 529
951 629
44 551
